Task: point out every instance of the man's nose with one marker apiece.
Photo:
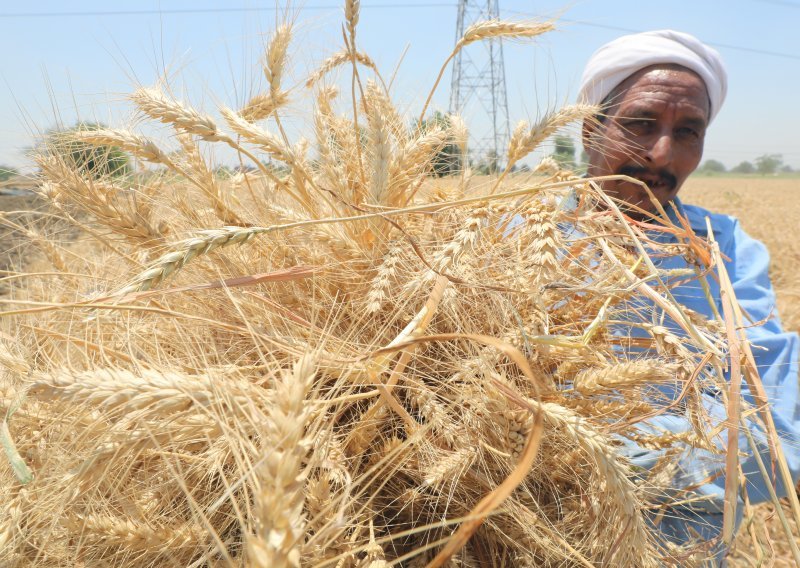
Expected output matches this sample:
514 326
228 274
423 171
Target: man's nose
659 153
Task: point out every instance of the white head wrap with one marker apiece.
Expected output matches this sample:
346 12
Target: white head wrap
616 61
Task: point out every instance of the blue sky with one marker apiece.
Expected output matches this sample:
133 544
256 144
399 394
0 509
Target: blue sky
58 68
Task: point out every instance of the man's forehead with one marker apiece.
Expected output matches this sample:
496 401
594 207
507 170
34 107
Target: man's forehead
652 87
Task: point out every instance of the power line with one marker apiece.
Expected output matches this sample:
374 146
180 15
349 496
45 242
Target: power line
399 5
187 11
779 3
633 31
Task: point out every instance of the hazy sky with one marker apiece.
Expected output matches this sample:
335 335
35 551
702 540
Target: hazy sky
68 60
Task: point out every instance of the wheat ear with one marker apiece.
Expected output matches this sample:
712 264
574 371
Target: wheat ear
275 57
195 169
624 375
169 263
381 152
272 144
412 163
262 106
489 29
280 478
524 140
352 9
159 392
492 29
338 59
620 491
159 107
138 145
129 534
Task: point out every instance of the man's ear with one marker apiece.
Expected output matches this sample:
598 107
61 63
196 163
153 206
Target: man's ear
588 131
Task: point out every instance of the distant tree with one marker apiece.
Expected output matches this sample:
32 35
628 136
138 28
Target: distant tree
564 152
224 172
91 160
769 163
277 168
713 166
447 160
489 164
744 168
7 172
787 169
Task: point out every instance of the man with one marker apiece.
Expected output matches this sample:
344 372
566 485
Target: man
659 92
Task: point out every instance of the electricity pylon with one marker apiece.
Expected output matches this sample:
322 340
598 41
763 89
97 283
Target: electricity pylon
478 87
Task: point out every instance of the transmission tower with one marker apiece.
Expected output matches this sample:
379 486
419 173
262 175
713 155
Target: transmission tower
478 88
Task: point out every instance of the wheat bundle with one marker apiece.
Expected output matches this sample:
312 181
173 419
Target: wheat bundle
343 362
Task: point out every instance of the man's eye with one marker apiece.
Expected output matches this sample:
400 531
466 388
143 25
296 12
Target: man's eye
687 132
637 125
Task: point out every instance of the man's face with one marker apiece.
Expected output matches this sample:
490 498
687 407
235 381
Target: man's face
653 131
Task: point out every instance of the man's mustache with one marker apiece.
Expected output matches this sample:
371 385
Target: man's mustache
660 176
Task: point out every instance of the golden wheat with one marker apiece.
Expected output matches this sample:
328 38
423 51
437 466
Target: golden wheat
396 369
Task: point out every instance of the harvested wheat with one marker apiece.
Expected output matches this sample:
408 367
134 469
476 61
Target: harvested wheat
377 370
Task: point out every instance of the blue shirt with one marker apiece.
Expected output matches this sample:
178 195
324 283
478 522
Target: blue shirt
776 354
